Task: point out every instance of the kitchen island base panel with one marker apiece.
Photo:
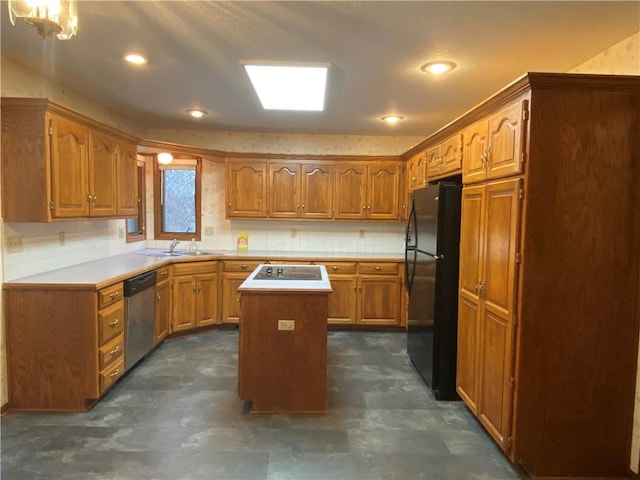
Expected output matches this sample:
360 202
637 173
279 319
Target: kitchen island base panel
283 371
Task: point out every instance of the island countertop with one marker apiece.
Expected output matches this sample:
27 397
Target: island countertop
251 284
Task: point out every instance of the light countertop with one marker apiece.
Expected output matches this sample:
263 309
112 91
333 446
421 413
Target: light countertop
106 271
251 285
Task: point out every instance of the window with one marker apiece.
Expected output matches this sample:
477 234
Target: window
177 199
136 227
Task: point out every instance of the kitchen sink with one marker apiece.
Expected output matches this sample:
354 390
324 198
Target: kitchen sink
195 254
162 253
289 272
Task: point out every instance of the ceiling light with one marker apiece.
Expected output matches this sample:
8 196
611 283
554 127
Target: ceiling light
392 119
289 87
196 113
165 158
47 17
135 58
438 68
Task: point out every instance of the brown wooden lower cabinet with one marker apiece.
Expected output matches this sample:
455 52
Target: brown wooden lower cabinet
234 272
162 325
194 295
64 346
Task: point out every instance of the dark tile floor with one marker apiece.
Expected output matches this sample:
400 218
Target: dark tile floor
177 416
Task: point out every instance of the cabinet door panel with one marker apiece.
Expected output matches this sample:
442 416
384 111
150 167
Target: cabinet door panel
383 192
468 344
342 300
474 145
127 195
495 390
103 160
471 239
231 297
505 141
351 197
451 155
246 190
184 303
379 300
317 191
284 194
207 293
69 168
163 304
502 222
431 158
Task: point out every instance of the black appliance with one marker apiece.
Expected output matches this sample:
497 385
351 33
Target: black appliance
431 269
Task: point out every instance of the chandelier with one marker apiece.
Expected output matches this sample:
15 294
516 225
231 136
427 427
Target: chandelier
47 17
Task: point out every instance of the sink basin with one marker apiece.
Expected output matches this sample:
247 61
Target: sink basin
195 254
289 272
163 253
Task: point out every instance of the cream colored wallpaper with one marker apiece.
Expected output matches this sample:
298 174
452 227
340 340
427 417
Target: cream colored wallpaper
18 81
622 58
288 143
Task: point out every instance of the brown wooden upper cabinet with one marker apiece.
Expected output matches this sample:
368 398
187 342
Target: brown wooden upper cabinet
493 147
127 195
367 191
300 190
58 165
444 159
246 189
416 172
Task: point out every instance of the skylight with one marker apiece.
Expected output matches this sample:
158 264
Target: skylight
289 87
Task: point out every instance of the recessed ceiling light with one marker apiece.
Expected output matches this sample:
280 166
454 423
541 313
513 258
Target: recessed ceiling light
135 58
165 158
438 68
196 113
289 86
392 119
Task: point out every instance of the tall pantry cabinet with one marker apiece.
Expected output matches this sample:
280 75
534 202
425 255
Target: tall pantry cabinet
548 321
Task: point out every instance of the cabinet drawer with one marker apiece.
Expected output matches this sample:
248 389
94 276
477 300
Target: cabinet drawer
110 294
339 267
192 268
111 374
111 352
378 268
110 322
162 274
241 266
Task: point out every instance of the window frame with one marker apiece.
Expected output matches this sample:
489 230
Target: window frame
142 207
159 234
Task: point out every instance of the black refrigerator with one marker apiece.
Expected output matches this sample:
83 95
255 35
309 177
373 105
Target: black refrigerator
431 269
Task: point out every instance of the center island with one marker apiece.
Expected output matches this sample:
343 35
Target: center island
282 354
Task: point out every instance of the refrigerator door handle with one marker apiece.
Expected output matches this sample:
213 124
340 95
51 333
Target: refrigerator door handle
411 225
409 276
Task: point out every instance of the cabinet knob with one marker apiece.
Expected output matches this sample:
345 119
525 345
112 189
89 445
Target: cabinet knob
229 204
243 267
378 268
334 268
114 323
114 351
303 206
115 374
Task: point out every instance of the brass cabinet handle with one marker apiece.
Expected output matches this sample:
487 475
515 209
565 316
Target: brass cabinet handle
158 297
199 288
334 267
113 295
164 272
114 323
303 206
194 289
364 207
238 298
114 351
229 205
115 374
243 267
378 268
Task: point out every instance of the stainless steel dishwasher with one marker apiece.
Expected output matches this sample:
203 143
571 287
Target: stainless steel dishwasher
140 312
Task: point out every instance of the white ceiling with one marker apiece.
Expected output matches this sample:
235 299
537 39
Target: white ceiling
195 49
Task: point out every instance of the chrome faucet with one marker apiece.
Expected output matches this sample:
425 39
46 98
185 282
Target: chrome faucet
173 245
